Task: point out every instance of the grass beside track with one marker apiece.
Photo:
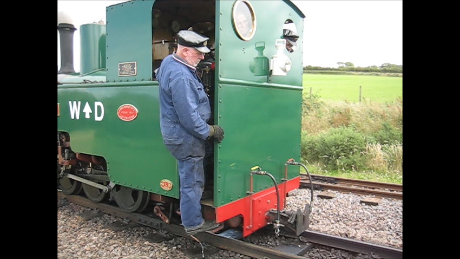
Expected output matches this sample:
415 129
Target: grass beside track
353 87
368 101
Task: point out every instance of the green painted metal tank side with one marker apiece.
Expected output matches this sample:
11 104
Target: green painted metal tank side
129 39
134 150
92 50
262 128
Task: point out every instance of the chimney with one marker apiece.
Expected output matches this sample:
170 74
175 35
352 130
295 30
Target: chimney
66 31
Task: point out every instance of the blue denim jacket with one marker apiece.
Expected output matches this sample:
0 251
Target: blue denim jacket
184 108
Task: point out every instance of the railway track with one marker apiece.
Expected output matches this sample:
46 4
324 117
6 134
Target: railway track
310 239
361 187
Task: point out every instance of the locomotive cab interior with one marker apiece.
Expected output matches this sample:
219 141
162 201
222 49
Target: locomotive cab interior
168 18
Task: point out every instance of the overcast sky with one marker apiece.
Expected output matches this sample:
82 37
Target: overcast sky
363 32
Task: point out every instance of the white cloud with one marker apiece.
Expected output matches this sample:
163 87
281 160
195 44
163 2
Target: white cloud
365 33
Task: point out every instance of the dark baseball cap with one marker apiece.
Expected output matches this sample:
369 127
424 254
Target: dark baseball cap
193 39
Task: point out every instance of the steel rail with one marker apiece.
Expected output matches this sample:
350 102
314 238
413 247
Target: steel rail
375 250
354 186
238 246
357 182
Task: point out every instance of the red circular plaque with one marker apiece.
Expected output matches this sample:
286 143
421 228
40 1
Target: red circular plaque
127 112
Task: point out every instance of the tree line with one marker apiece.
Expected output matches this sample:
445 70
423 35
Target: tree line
350 67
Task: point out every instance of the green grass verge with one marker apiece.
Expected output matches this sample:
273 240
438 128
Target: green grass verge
380 100
353 88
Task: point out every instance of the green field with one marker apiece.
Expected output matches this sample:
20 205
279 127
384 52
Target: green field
353 87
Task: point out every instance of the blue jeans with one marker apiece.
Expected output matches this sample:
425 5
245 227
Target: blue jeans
191 175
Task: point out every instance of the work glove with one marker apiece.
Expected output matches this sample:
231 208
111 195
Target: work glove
216 132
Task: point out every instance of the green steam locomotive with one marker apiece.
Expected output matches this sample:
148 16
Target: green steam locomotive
109 144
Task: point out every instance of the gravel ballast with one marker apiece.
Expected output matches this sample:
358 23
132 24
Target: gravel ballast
344 215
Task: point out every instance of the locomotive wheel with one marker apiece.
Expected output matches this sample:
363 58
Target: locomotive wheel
93 193
69 186
129 199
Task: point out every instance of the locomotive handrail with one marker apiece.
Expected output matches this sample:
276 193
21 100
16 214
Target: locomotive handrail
137 83
258 84
111 84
